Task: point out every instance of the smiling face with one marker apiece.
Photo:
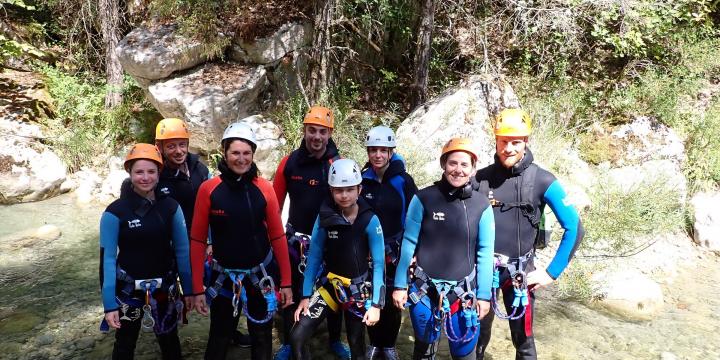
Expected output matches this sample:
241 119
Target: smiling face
345 197
457 168
510 149
144 175
175 151
239 156
379 156
316 138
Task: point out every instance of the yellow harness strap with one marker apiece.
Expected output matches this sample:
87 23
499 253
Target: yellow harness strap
332 278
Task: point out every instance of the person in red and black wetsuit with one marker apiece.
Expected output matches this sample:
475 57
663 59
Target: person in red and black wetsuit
241 211
303 176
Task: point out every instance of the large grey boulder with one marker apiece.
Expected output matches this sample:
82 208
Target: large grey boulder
629 294
706 223
208 98
155 52
660 174
270 49
646 139
464 110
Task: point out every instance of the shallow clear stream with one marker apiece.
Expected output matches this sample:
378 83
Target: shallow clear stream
50 305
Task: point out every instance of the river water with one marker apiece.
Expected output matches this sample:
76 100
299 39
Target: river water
50 305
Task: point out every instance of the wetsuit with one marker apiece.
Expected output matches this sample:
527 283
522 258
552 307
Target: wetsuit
451 233
140 240
389 198
344 248
183 188
243 215
304 178
516 237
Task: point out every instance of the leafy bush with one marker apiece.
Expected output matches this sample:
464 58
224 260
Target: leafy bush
82 126
703 150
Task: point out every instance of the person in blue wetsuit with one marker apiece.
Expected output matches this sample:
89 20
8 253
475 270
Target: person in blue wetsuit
518 191
388 188
450 235
143 246
346 233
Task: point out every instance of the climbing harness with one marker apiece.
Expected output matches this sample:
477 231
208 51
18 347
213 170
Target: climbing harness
354 295
449 292
128 299
516 268
392 249
298 247
258 276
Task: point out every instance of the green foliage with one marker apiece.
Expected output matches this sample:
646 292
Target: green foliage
17 3
703 150
620 216
197 19
576 282
83 128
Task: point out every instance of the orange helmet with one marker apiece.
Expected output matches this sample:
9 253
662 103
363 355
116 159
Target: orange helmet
513 122
171 128
459 144
320 115
143 151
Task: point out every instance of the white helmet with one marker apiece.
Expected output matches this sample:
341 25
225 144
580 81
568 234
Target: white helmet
344 172
240 130
380 136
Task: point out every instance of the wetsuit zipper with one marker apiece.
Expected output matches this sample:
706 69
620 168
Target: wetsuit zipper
250 209
467 231
517 212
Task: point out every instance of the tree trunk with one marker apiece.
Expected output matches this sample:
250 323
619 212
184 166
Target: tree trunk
110 18
423 50
320 67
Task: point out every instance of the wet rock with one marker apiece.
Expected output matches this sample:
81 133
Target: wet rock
29 238
706 215
155 52
88 181
44 339
464 110
628 294
85 343
19 322
286 39
208 98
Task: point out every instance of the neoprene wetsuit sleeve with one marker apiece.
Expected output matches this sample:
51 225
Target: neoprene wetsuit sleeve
376 242
199 233
275 231
573 230
413 221
314 259
181 244
485 254
109 230
279 184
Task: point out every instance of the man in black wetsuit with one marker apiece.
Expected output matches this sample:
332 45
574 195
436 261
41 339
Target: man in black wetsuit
303 175
518 191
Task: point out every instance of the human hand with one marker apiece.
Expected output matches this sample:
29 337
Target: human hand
400 298
538 279
113 319
286 297
372 316
201 305
208 251
189 303
483 308
303 308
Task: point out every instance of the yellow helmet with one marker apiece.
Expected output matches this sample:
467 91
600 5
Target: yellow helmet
319 115
145 152
513 122
460 144
171 128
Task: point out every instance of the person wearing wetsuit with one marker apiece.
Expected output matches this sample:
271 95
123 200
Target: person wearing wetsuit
143 246
303 176
346 233
241 211
388 188
450 232
516 220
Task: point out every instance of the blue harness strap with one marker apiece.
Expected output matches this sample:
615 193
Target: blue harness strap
516 268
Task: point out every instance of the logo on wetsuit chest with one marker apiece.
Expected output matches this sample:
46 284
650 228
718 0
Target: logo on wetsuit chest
296 178
333 234
369 196
165 190
134 223
439 216
217 212
313 182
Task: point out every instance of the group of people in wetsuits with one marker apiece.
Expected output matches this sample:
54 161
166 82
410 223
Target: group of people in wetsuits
360 244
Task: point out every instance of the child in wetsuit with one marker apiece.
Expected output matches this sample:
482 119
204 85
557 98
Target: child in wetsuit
345 235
